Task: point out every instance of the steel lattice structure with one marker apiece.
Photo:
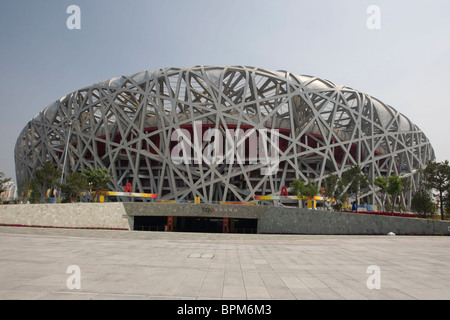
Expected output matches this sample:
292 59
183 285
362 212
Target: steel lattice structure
126 124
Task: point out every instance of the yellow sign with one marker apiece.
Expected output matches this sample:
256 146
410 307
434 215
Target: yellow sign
291 198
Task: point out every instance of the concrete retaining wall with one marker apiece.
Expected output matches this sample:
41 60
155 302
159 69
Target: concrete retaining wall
270 219
303 221
194 210
67 215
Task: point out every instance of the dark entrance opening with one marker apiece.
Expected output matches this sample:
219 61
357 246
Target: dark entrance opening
150 223
240 225
195 224
198 224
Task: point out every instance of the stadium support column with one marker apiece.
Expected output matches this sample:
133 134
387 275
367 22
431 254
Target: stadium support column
70 123
170 223
226 225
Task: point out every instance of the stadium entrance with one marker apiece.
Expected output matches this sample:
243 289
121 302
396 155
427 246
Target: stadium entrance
195 224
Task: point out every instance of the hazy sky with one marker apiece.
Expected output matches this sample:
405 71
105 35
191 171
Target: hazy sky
405 63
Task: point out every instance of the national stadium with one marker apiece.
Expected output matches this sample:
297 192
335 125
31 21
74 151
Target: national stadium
223 134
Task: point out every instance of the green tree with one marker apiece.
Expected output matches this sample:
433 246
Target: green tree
46 177
393 186
334 188
76 183
297 187
3 180
446 202
330 184
311 190
300 188
422 203
381 182
97 179
24 189
436 175
34 191
355 180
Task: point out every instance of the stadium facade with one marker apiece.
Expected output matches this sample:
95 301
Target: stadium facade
252 131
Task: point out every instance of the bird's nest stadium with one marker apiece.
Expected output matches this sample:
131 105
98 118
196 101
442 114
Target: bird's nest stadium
223 134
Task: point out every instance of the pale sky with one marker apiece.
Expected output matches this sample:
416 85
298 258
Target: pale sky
405 63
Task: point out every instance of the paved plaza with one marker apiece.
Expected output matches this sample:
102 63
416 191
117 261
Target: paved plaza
39 263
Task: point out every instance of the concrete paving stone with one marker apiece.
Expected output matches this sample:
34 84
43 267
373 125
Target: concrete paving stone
330 280
303 294
233 278
438 284
280 293
429 284
382 294
25 292
247 264
252 279
114 277
278 267
234 292
212 286
263 268
428 294
292 281
248 267
313 283
232 266
191 284
276 287
293 267
259 292
156 265
308 267
301 272
348 293
169 284
245 259
50 280
327 294
121 296
150 290
396 294
354 284
260 261
63 295
217 265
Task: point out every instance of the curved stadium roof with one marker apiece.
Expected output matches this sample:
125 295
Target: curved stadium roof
125 124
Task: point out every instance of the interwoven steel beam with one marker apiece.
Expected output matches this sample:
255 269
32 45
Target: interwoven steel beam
126 124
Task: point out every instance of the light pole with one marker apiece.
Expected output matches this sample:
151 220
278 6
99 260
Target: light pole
65 156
